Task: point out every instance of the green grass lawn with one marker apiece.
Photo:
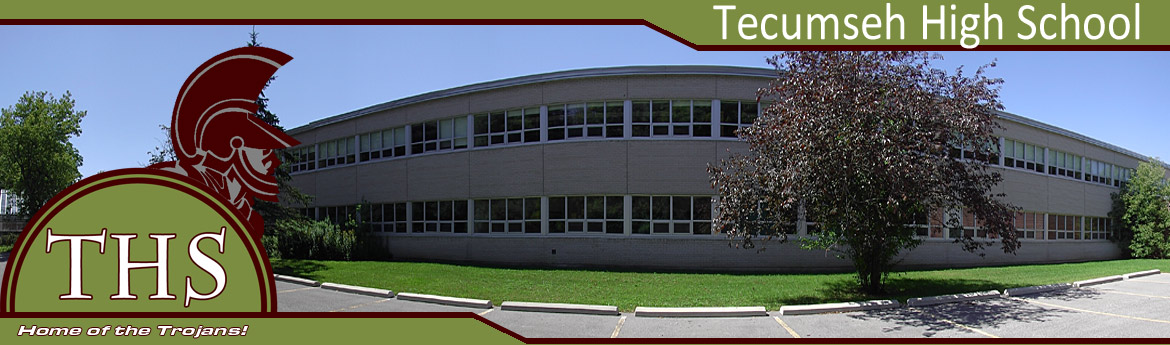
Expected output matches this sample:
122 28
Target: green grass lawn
630 289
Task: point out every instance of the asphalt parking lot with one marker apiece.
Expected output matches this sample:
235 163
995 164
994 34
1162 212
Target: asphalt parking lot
1134 308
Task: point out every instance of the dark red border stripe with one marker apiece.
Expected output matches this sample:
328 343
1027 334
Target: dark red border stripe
642 22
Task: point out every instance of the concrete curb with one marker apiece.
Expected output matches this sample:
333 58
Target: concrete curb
1030 290
455 301
1142 274
560 308
838 307
700 312
970 296
1098 281
296 280
361 290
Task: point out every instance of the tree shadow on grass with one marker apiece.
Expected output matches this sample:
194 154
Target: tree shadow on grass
846 290
298 268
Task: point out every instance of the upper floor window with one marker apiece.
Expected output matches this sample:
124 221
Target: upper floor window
589 120
1064 164
336 152
1023 155
383 144
735 114
303 158
439 135
665 118
507 127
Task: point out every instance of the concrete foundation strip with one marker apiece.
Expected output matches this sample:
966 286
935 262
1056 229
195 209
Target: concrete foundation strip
455 301
296 280
1029 290
700 312
838 307
1142 274
560 308
1098 281
970 296
361 290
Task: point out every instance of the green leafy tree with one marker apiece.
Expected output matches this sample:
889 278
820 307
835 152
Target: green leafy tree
36 158
863 144
1144 213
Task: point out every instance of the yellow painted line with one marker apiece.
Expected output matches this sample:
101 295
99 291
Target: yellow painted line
786 328
969 328
618 329
1133 294
485 312
1092 312
295 290
359 305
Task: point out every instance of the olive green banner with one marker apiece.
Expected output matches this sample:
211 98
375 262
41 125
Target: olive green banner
707 25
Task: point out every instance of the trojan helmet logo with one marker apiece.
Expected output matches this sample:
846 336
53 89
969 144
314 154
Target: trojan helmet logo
176 236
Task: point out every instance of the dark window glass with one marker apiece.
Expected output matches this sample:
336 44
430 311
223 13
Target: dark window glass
702 130
727 131
682 228
574 114
557 227
532 209
640 131
748 112
445 210
556 208
614 131
576 208
515 120
640 111
680 111
515 209
614 227
701 111
416 134
614 207
532 227
595 113
596 226
703 228
640 227
660 110
682 208
702 208
556 133
595 207
499 209
497 122
640 207
662 228
556 116
481 124
729 112
416 211
661 207
432 130
531 118
615 112
481 210
461 210
432 211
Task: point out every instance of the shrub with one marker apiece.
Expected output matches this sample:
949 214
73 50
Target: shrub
307 239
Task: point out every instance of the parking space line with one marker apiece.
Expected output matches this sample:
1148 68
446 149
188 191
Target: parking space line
486 311
359 305
1091 311
954 323
1133 294
618 329
295 290
786 328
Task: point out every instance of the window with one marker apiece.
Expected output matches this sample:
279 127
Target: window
1064 227
507 127
586 214
338 215
734 115
928 224
671 215
971 226
303 158
989 154
589 120
449 216
383 144
1022 155
1029 225
1098 228
671 118
388 217
1064 164
514 215
449 134
336 152
1103 173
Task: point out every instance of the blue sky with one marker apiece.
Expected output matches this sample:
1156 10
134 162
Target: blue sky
127 77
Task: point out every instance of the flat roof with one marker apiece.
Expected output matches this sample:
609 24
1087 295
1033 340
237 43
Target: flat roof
647 70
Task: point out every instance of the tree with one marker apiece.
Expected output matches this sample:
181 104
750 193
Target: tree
864 144
1144 212
165 152
36 158
289 194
